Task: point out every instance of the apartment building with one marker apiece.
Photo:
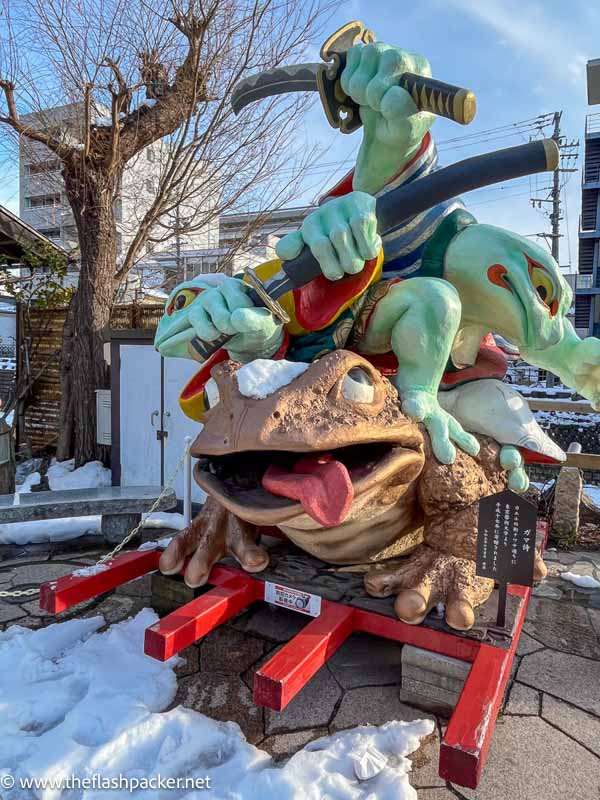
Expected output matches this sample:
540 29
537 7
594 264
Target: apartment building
43 203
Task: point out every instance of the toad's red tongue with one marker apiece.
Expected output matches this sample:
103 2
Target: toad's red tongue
322 485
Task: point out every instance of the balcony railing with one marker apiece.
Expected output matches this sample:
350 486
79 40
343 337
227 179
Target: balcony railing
587 281
592 123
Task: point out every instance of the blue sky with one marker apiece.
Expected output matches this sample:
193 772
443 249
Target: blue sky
521 58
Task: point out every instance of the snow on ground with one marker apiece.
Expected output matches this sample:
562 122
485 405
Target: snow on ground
583 581
61 530
263 376
33 479
593 492
62 475
85 703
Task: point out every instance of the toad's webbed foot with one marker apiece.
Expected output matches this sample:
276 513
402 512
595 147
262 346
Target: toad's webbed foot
213 534
429 577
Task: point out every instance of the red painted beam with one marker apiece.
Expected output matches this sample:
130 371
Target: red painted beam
195 619
446 644
282 677
58 595
467 740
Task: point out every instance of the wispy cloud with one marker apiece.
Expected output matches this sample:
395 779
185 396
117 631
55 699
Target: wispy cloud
533 29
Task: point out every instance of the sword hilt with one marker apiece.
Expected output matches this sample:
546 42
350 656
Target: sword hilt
428 94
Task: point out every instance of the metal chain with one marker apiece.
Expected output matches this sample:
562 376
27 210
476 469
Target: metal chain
165 490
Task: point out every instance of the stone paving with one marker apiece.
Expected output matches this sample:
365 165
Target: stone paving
547 740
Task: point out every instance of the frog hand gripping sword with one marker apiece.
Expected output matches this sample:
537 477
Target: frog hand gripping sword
395 207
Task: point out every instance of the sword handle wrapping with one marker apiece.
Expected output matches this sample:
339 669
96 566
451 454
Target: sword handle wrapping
437 97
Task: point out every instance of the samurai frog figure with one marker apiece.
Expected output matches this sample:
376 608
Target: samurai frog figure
420 305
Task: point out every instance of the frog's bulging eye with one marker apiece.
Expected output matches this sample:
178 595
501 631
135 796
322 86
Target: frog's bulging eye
544 285
358 386
182 299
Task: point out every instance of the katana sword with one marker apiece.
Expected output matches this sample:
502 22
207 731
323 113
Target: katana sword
394 208
323 77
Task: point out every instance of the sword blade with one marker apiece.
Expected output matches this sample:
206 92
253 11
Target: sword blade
283 80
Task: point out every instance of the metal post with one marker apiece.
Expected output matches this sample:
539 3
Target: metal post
187 482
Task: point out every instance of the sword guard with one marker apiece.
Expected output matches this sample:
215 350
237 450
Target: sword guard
341 111
259 289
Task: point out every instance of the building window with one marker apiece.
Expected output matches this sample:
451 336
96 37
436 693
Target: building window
149 185
150 155
40 167
50 233
43 201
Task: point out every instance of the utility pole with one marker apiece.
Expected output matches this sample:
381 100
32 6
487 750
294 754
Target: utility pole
555 217
568 150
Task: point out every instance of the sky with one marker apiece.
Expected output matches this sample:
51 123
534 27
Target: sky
521 59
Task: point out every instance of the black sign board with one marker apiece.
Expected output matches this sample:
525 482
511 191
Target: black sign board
506 543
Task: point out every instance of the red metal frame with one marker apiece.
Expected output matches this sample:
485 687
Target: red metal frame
466 742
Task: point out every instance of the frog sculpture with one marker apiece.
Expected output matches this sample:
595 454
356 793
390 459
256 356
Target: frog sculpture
420 305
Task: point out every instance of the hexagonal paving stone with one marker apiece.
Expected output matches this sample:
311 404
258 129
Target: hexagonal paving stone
562 626
571 678
222 697
229 651
312 707
373 705
365 660
10 612
527 645
531 760
284 745
191 662
37 574
523 700
580 726
275 624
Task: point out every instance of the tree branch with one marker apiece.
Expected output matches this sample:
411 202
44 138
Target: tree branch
60 148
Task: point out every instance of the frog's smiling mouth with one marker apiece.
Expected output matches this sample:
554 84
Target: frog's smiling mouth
269 487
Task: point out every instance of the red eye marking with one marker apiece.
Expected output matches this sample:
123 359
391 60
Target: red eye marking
531 265
496 275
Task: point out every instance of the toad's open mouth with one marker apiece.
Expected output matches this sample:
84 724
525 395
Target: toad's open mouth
269 487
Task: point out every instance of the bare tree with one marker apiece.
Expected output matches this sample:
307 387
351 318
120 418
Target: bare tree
145 77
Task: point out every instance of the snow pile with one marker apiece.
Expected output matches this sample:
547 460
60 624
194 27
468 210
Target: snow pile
583 581
159 544
165 519
263 377
61 530
85 703
33 479
593 492
87 572
63 475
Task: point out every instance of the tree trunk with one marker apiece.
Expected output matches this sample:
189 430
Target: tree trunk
91 194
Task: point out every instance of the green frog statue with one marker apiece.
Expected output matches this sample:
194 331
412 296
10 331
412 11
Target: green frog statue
402 328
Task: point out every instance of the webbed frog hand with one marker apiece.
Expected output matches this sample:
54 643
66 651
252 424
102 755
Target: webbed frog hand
387 111
443 428
342 235
227 310
213 534
585 369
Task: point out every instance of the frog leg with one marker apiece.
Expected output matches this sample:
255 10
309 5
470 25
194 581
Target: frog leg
419 319
442 569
